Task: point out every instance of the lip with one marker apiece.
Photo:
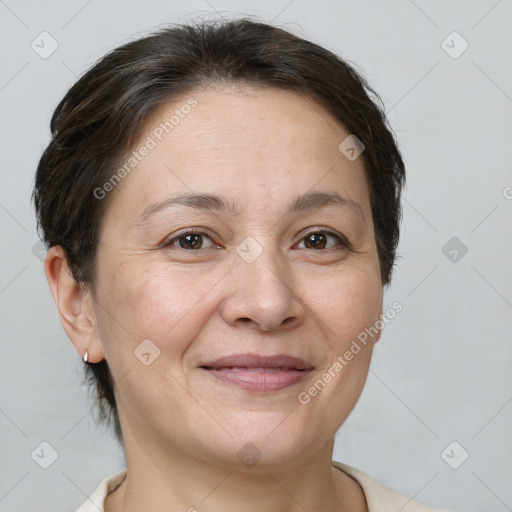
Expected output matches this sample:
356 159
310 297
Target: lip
259 373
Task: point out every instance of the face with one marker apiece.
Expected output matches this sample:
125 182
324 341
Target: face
276 277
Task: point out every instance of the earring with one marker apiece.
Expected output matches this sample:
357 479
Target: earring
86 356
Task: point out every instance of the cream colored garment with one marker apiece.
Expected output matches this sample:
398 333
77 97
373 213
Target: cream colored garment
380 498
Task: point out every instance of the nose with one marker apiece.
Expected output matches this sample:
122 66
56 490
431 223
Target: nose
263 294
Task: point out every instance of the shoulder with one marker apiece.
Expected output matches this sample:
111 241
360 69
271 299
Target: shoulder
382 498
96 500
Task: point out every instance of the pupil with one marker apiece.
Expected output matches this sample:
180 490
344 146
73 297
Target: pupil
194 244
317 243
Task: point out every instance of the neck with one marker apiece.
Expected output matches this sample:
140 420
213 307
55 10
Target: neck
161 481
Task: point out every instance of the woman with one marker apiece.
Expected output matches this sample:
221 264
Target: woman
221 204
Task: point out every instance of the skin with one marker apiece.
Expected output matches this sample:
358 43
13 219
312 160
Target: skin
182 428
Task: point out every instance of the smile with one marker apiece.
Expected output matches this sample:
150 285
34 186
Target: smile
258 379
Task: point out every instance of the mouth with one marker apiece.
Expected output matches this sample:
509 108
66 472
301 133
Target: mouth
259 373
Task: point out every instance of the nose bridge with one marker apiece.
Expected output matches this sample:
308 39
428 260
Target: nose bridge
262 254
261 261
262 288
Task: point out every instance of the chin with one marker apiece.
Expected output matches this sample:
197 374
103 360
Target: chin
264 443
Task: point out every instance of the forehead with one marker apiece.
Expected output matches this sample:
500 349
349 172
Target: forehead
230 117
254 142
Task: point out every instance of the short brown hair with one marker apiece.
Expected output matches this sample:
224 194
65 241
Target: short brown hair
101 117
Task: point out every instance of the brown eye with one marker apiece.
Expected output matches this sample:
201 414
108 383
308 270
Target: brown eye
320 240
190 240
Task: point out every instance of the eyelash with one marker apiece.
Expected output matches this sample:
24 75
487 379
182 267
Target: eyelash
325 231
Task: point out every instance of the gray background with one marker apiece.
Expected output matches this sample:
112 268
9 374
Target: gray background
441 371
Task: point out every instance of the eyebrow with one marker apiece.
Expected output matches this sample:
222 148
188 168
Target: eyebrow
216 203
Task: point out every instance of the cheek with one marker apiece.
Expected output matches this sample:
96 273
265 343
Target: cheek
164 305
346 305
347 313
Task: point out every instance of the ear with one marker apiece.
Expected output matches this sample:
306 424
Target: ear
75 306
